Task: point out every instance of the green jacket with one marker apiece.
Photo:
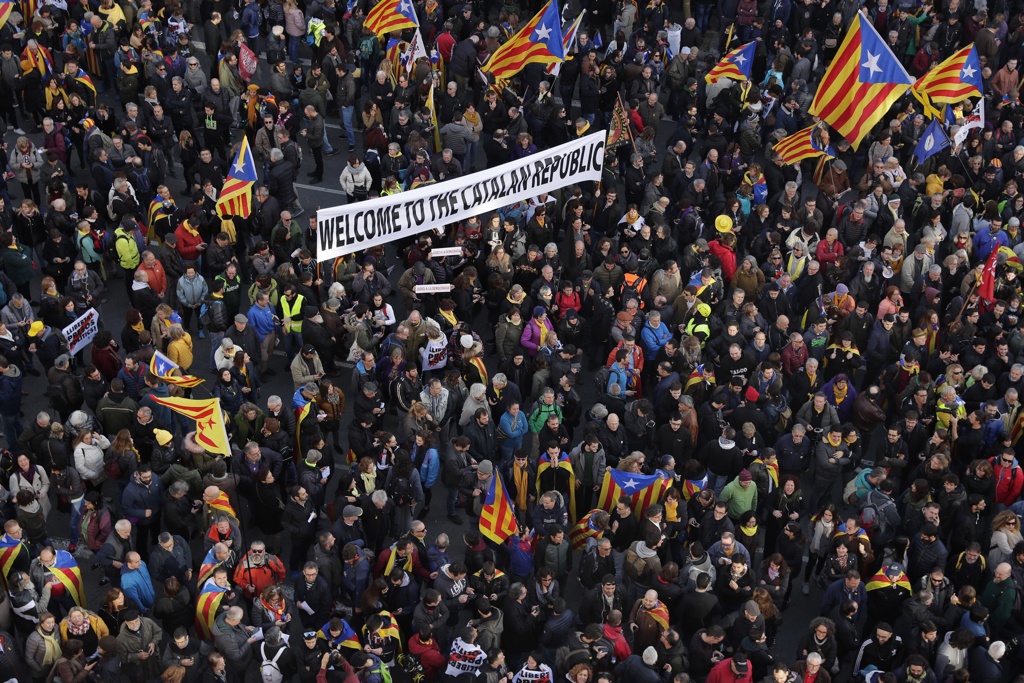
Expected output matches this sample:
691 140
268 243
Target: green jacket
18 264
739 499
540 415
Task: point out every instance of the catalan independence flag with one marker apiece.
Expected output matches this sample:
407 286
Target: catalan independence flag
347 638
223 504
162 366
206 569
951 80
538 42
236 195
584 530
568 38
5 12
389 629
659 613
736 64
882 580
67 572
644 489
10 549
83 77
391 15
803 144
498 515
207 605
862 82
211 432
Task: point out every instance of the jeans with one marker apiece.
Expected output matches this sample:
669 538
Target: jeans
292 344
469 159
452 501
703 14
12 429
293 49
215 339
328 149
346 118
76 518
718 483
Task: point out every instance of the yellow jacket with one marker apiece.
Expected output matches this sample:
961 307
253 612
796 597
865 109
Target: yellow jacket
180 351
95 624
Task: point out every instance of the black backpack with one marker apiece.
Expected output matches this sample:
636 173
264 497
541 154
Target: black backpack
400 491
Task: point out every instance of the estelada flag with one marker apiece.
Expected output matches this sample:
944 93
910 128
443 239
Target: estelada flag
735 65
880 580
952 80
347 637
539 41
67 572
584 530
163 367
236 194
388 629
5 12
211 433
644 489
391 15
10 549
206 569
498 515
862 82
206 609
803 144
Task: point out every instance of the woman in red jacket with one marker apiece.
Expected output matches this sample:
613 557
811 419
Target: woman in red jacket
424 647
190 243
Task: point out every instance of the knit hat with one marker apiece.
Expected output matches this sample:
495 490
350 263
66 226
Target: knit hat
485 466
163 437
745 475
650 656
752 394
538 311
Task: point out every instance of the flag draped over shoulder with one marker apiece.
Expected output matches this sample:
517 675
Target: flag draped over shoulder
659 613
880 580
236 195
498 515
862 82
223 504
808 143
206 609
162 366
10 549
644 489
206 569
584 530
347 638
538 42
544 463
391 15
65 568
951 80
736 65
211 432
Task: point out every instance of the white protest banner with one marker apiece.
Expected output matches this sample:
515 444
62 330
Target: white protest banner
975 120
81 332
355 227
433 289
441 252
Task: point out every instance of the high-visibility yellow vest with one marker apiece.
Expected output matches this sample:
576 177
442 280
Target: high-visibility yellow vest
293 311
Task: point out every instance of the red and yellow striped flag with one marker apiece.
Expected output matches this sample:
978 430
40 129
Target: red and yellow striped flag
498 515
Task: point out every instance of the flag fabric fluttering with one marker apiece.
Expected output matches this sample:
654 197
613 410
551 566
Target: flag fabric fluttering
5 12
432 106
735 65
952 80
644 489
538 42
976 119
620 132
932 141
862 82
804 144
236 195
10 549
987 281
211 432
568 38
162 367
65 568
498 515
391 15
584 530
416 51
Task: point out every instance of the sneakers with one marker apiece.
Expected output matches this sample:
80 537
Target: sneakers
806 589
333 153
19 131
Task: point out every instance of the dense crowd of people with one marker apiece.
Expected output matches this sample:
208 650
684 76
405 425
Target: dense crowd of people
821 364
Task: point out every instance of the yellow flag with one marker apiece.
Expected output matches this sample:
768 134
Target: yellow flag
211 433
433 119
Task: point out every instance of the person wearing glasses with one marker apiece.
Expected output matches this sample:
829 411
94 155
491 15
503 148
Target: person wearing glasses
1009 478
258 570
1005 535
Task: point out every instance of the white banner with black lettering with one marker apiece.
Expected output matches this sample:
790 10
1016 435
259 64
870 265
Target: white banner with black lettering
355 227
82 330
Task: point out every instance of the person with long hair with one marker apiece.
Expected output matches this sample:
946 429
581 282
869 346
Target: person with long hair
823 527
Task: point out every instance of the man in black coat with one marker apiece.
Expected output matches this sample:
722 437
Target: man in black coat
314 332
313 598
